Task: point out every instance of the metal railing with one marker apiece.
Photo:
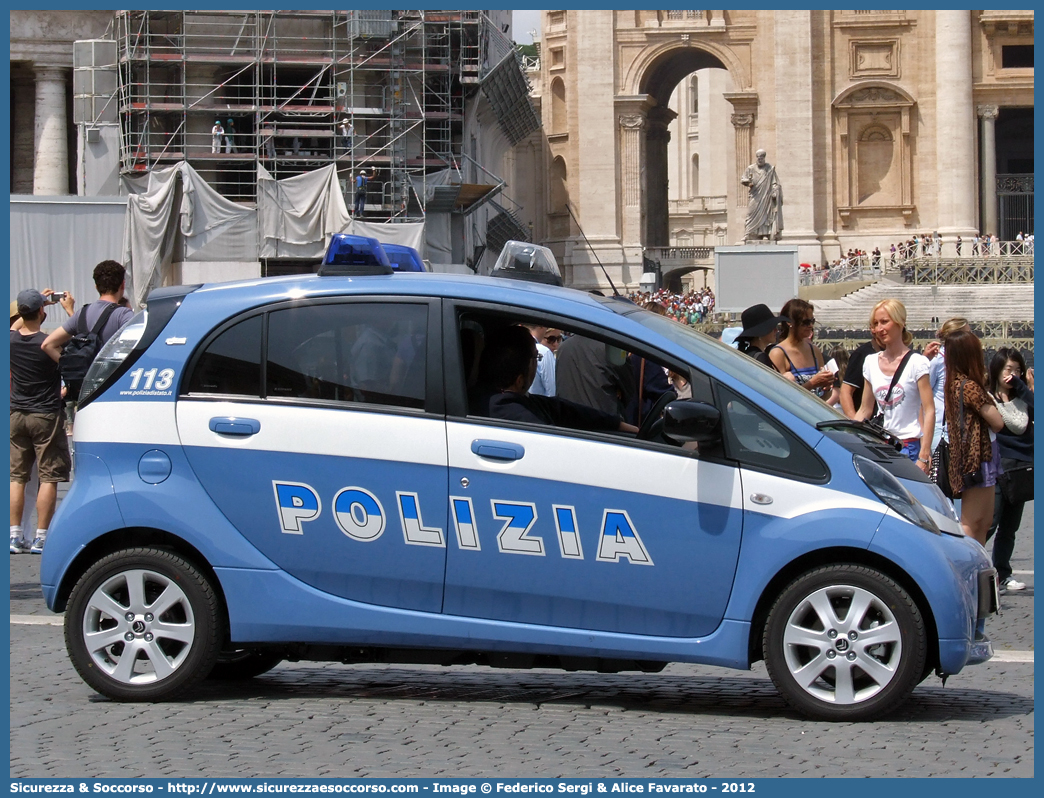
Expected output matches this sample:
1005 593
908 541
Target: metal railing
994 262
993 334
970 271
861 267
968 249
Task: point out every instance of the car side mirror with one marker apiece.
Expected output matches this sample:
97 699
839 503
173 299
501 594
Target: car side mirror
687 421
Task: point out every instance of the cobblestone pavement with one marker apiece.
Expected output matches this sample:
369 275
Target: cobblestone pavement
316 720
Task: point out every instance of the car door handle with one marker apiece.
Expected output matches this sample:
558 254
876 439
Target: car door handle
497 450
230 425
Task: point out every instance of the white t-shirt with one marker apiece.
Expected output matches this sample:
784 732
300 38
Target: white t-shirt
904 405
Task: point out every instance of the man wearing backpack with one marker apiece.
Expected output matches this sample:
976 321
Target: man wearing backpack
37 420
361 180
85 332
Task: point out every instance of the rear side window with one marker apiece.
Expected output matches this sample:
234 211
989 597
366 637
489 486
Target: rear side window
372 353
231 363
352 352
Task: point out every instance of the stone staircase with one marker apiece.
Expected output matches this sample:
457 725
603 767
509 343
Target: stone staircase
980 304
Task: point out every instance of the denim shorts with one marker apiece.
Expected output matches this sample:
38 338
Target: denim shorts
912 448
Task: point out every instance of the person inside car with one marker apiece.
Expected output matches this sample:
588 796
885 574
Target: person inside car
508 367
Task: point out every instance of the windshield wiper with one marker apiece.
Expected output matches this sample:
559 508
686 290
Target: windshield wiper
873 429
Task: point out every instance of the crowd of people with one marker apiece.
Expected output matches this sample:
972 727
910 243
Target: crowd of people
693 307
897 256
984 245
965 423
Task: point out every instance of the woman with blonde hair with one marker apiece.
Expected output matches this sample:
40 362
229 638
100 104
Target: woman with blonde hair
795 356
896 382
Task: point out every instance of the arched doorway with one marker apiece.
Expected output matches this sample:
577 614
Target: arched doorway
698 158
672 279
658 82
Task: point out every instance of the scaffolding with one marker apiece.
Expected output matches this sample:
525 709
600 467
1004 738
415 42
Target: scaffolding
380 91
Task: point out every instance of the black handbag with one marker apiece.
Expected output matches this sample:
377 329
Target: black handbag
1016 483
940 474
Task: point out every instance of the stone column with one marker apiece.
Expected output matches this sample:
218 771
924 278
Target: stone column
593 85
51 169
658 219
743 124
954 124
988 180
795 150
632 173
744 115
23 92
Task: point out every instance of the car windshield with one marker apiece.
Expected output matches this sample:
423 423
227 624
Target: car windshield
767 381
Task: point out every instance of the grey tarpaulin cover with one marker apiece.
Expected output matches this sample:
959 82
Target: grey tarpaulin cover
409 234
205 219
297 215
57 241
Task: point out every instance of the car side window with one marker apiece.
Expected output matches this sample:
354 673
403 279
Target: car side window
600 386
231 363
756 440
350 352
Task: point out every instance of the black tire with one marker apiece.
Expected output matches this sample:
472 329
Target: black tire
243 663
824 671
174 647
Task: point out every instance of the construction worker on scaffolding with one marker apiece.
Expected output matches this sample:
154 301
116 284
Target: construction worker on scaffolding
361 180
230 132
217 133
347 131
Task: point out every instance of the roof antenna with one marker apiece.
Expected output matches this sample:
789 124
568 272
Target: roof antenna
578 227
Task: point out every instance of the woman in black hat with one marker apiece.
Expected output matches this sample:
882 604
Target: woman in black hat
760 331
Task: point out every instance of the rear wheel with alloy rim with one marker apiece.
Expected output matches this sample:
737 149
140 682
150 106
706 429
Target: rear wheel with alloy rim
143 625
845 642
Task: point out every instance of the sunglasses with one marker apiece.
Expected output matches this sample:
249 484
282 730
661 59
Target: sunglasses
808 322
552 339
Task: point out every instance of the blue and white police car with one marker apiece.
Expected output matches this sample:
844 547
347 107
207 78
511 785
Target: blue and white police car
297 469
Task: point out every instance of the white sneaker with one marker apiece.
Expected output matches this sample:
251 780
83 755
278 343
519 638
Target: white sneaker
1012 584
37 547
18 545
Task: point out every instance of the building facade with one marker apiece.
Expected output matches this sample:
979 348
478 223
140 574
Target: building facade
881 124
427 104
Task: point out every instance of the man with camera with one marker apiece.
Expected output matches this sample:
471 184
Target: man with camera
37 420
109 279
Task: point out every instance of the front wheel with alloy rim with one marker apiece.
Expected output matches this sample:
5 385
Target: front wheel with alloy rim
143 625
845 642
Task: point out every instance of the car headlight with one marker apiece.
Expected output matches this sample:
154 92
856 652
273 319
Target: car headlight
113 353
891 491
